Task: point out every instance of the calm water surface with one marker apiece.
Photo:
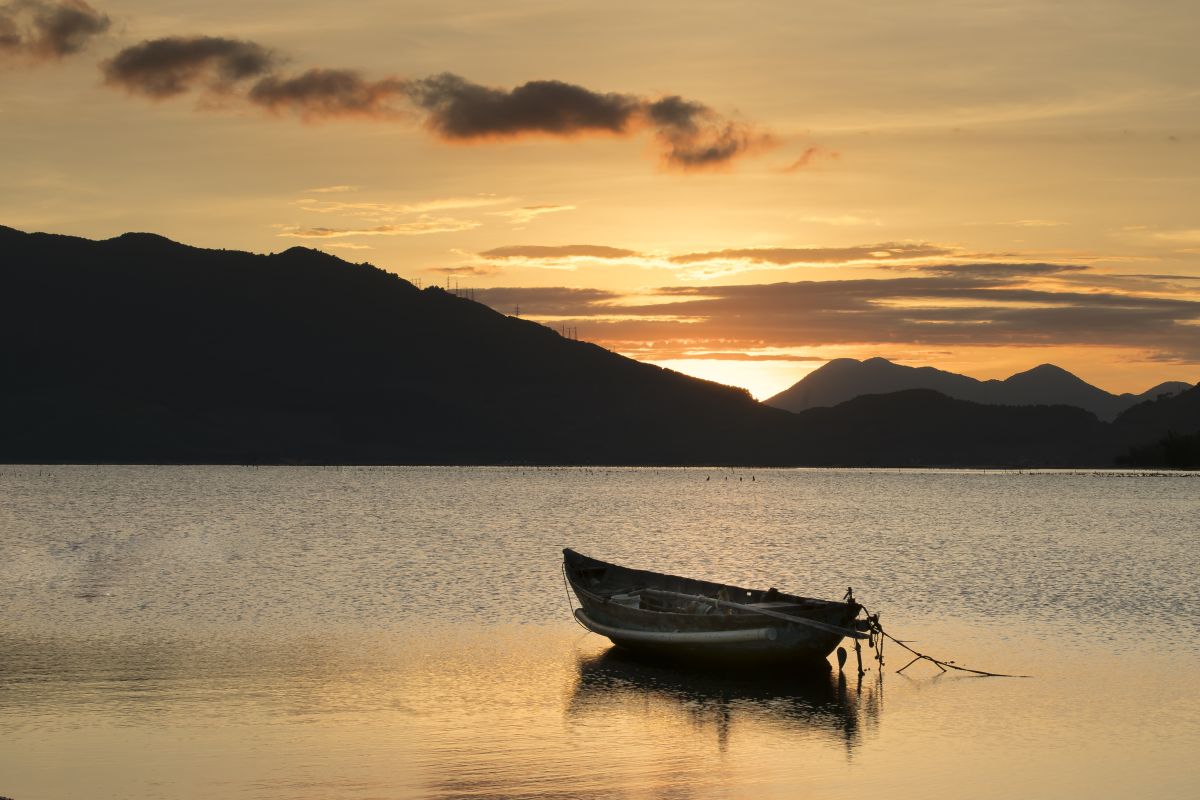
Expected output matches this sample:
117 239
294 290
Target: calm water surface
202 632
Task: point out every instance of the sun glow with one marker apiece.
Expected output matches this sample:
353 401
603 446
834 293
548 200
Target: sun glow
761 378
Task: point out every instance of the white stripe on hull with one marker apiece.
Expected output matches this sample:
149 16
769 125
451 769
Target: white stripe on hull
677 637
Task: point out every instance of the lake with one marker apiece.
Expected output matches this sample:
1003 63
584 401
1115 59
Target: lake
280 632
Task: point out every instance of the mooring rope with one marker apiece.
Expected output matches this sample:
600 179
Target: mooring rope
878 635
570 605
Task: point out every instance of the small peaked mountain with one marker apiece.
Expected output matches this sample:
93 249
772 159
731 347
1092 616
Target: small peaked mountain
1164 389
1047 384
846 378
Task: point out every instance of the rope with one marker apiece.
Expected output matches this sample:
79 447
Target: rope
877 628
570 605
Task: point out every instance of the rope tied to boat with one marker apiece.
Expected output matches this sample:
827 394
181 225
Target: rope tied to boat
878 635
570 605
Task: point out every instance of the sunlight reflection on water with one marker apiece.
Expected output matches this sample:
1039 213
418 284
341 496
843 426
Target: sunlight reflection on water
313 633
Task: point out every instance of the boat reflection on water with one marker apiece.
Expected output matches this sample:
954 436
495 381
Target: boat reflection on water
810 700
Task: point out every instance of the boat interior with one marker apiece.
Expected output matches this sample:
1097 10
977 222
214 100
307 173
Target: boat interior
654 591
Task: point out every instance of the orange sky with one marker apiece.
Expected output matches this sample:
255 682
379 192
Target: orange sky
737 194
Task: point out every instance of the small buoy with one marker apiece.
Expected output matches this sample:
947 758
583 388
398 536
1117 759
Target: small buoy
841 653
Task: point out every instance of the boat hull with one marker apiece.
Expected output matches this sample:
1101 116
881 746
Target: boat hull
704 633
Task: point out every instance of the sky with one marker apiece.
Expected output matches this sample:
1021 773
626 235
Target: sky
737 191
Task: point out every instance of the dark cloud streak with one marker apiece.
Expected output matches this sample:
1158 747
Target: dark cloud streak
49 30
329 93
944 310
474 270
783 256
550 301
1002 270
462 110
695 136
162 68
806 159
690 134
549 252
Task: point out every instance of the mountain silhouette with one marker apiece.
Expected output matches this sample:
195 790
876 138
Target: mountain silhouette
141 349
921 427
846 378
138 349
1164 432
1179 413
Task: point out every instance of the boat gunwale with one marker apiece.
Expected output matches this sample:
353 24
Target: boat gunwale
702 588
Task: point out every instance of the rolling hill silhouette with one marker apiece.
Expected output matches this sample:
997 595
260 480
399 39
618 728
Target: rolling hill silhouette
138 349
846 378
1162 433
141 349
919 427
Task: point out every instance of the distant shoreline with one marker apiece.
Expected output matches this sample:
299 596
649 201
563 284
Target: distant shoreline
1116 471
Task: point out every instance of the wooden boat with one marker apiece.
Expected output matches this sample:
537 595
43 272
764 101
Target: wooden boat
695 619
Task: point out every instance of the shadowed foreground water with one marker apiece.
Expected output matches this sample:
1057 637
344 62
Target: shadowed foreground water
392 633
